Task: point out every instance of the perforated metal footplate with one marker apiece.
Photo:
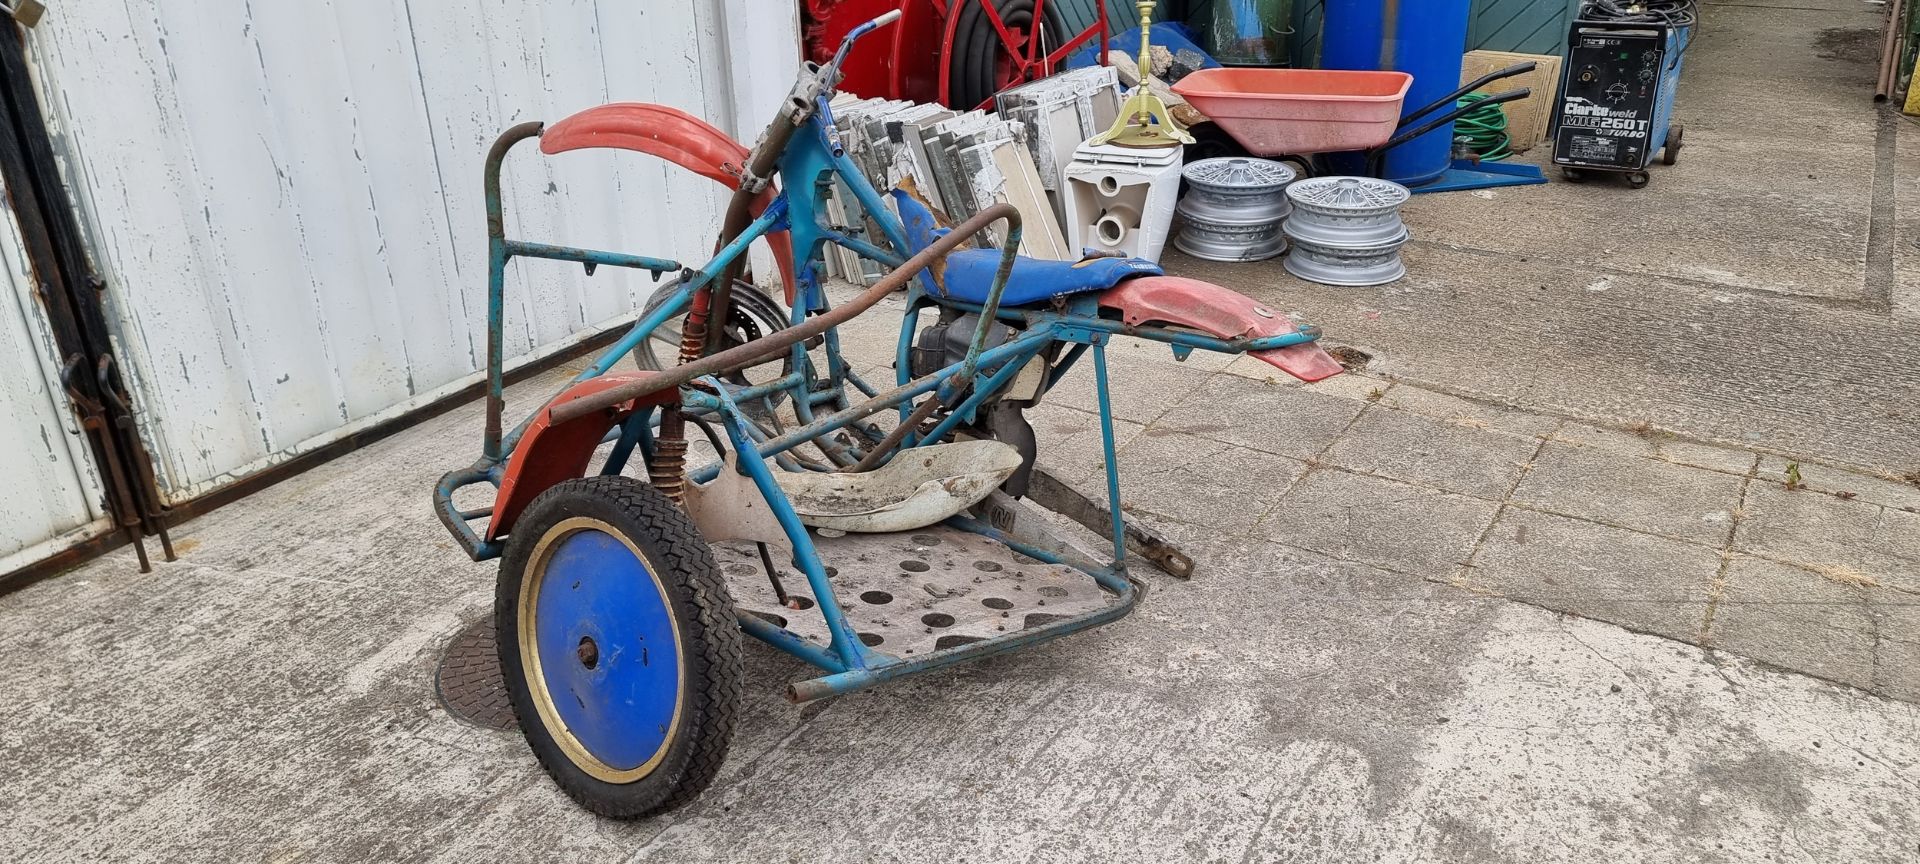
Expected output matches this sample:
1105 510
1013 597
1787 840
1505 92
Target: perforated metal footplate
911 594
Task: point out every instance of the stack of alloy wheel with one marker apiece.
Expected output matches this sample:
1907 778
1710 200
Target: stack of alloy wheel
1233 209
1346 230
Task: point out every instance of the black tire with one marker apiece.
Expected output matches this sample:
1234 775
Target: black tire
1573 175
1671 153
708 635
1637 179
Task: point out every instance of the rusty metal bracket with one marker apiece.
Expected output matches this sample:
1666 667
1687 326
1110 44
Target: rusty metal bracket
1049 492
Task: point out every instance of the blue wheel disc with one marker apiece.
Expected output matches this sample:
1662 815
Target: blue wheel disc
602 651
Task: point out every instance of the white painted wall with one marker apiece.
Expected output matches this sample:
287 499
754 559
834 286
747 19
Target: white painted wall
285 197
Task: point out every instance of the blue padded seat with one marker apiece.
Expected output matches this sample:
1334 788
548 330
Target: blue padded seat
969 272
969 276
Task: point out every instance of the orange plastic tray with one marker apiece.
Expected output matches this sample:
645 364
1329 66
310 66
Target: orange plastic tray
1279 112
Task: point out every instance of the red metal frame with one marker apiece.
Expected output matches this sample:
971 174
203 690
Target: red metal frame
1020 65
910 67
676 136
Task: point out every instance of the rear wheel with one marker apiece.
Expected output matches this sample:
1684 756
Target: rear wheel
754 314
618 645
1671 153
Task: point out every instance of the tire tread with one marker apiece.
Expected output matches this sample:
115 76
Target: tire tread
712 646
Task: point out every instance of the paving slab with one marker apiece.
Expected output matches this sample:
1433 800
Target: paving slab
1638 581
1382 522
1448 456
1817 529
1140 388
1797 619
1656 444
1897 654
1217 486
1467 412
1705 363
1072 448
1282 420
1640 494
1891 490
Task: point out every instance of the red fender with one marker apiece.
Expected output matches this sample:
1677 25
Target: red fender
551 453
1218 312
673 135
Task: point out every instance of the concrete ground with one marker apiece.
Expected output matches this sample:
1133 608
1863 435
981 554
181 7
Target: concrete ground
1764 292
1706 662
1305 698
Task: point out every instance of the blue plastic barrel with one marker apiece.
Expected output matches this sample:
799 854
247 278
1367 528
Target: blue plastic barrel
1423 38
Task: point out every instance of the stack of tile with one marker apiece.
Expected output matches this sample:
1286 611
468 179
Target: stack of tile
1059 112
961 162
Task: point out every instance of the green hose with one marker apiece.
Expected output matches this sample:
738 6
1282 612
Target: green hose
1484 129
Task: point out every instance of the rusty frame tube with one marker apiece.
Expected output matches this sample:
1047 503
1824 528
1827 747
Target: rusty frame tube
740 356
893 439
497 277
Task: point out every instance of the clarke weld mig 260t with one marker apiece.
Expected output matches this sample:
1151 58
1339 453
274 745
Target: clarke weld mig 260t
1617 88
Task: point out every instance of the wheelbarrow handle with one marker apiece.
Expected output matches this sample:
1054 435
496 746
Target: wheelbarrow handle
1520 68
1404 135
1375 155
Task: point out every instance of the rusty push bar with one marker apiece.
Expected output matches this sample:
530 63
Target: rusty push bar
743 355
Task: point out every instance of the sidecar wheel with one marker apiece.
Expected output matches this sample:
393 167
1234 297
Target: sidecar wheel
618 645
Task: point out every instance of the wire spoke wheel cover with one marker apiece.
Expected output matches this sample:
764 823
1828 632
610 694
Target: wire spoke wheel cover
618 645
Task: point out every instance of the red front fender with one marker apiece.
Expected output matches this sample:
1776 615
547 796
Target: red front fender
673 135
1218 312
550 453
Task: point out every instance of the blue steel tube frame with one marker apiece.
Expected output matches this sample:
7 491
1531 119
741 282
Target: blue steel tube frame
964 386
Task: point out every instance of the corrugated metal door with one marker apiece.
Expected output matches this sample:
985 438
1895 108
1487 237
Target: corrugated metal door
53 495
286 198
1523 26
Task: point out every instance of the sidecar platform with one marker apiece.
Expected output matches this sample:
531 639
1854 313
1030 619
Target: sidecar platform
912 594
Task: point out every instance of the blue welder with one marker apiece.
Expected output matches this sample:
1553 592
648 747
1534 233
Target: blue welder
1617 87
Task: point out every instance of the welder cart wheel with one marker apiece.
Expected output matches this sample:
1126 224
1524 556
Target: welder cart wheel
1573 175
618 645
1637 179
1671 153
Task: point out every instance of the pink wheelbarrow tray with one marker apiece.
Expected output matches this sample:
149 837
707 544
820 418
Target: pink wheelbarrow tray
1302 112
1298 112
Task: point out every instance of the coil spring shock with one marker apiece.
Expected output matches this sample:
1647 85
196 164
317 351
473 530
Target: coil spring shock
668 470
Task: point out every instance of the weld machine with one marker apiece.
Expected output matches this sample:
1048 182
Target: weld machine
1617 87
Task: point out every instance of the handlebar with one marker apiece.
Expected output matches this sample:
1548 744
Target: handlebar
854 35
812 90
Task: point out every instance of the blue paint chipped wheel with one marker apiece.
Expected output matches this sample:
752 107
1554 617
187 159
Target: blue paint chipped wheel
619 646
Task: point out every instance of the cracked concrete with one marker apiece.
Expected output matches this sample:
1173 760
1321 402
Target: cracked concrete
1762 293
1285 705
1639 528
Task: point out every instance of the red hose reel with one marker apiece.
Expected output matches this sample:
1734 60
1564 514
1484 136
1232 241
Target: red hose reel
955 52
